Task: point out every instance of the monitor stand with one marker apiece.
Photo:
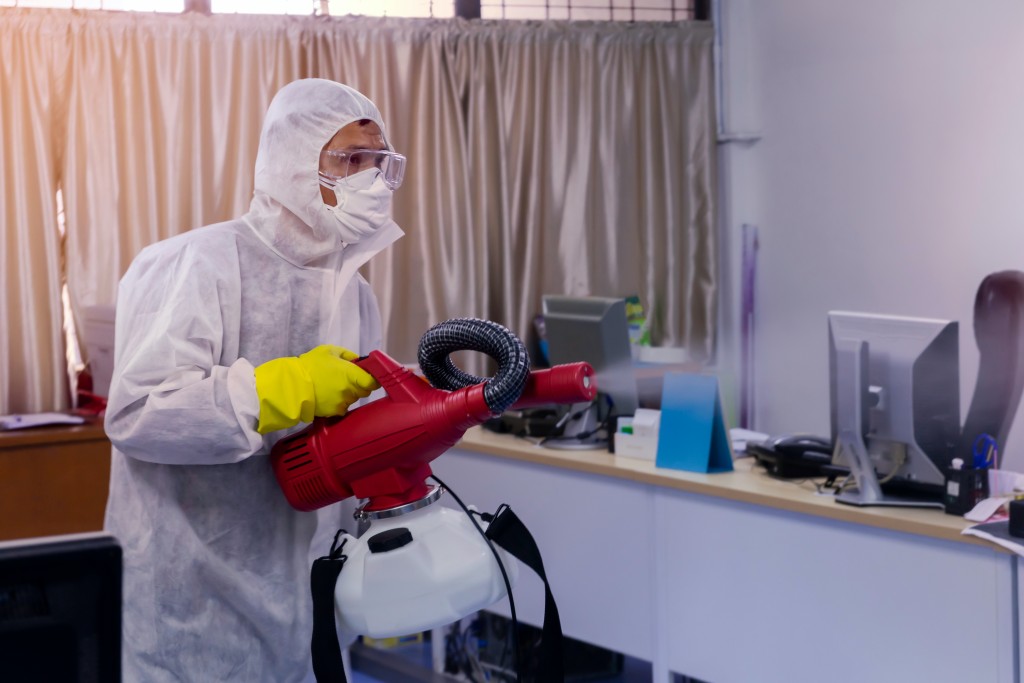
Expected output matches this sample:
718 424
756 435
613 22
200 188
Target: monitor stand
851 372
868 491
580 430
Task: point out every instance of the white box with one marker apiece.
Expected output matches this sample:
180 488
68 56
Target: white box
98 338
633 446
646 423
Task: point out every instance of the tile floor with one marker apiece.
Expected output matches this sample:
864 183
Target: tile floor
360 677
633 670
636 674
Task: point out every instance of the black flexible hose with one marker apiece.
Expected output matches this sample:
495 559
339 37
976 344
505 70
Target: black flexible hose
474 334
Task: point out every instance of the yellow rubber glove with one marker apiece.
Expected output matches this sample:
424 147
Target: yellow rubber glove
319 383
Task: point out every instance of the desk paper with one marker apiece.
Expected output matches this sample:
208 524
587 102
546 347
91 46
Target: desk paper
998 533
29 420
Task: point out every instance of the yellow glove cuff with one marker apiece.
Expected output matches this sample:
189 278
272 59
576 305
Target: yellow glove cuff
286 394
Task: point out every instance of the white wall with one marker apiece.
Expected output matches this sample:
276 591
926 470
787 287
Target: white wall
889 176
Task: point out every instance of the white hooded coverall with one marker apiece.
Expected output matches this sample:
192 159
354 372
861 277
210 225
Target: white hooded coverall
216 563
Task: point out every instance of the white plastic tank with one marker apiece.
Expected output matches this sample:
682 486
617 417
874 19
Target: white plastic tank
435 572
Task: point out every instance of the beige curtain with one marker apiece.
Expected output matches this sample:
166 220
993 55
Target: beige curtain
544 157
164 118
32 365
592 168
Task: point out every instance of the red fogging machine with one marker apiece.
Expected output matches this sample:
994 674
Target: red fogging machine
417 566
381 451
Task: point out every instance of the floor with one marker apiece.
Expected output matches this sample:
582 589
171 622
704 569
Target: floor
360 677
411 663
634 671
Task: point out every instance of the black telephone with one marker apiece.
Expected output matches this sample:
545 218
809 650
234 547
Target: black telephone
800 444
796 455
539 422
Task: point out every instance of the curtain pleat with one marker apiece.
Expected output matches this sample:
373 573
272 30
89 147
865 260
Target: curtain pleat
544 157
166 114
32 363
598 140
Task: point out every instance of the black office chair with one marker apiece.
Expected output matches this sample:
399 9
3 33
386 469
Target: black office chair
999 333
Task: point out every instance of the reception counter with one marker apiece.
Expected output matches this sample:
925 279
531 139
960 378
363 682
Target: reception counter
741 577
733 577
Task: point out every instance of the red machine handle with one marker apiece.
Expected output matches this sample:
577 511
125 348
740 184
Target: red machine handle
382 367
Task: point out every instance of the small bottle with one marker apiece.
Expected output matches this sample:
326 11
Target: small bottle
956 494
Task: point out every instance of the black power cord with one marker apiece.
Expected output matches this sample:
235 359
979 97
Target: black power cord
504 574
604 424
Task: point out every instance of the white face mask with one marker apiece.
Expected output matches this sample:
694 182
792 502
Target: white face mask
364 205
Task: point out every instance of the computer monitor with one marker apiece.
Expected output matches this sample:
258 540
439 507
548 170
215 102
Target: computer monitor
594 330
895 404
60 609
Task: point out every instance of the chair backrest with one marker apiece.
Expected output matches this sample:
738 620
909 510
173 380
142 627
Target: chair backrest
999 333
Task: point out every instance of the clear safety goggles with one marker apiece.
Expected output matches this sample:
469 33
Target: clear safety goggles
336 165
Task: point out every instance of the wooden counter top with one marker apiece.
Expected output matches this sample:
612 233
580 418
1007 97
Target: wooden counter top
747 483
53 480
53 434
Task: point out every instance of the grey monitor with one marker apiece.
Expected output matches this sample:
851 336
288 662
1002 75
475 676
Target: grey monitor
895 404
595 330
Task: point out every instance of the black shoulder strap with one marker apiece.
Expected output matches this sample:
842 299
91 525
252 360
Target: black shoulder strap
327 663
509 532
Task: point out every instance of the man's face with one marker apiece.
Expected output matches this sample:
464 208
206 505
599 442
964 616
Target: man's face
362 134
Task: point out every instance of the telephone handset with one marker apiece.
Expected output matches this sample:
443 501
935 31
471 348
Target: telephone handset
797 444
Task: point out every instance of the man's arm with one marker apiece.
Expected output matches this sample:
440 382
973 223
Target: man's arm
171 399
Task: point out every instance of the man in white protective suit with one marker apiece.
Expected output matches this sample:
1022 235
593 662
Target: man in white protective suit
228 338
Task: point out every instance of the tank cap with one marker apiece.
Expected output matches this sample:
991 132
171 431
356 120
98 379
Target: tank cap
392 539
